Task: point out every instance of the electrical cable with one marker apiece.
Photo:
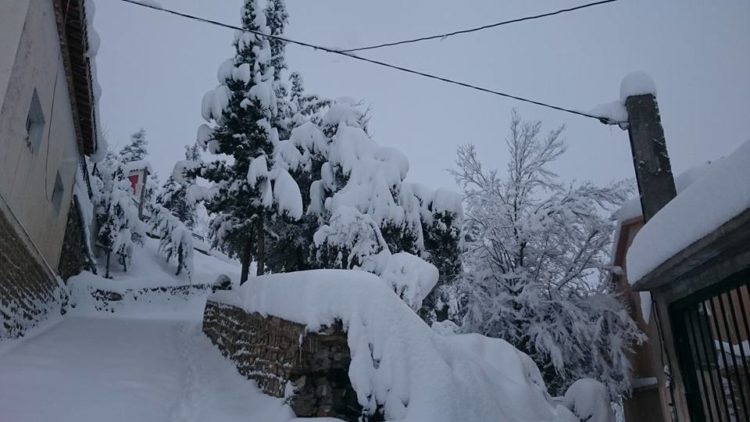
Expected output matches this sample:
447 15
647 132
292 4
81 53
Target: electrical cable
603 119
479 28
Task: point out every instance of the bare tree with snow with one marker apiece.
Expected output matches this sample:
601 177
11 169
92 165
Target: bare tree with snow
536 252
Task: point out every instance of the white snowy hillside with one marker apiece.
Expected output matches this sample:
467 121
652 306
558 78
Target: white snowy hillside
721 194
398 362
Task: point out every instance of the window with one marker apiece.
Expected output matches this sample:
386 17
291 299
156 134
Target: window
34 124
57 193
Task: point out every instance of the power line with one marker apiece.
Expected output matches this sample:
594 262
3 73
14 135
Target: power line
605 120
479 28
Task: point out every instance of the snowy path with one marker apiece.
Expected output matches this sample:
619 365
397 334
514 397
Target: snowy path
121 369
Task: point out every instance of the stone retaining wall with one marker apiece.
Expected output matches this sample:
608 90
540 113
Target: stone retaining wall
282 357
29 293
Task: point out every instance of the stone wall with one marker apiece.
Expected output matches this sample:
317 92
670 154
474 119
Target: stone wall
280 355
29 293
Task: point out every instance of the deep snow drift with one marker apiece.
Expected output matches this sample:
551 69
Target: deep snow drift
398 362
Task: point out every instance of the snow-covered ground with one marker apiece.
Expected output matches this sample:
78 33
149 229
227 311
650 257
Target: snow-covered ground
147 361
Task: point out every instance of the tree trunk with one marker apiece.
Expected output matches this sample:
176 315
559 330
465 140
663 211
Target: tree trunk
261 255
245 259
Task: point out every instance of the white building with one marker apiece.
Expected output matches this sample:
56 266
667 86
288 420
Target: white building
47 124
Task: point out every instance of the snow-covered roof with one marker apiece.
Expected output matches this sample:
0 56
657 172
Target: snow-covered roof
80 42
632 207
720 194
398 362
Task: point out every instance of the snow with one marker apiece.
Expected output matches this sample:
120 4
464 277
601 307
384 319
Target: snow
205 133
136 166
589 400
143 358
636 83
398 362
263 92
87 210
632 208
287 194
309 137
614 112
646 301
258 169
644 382
411 277
93 42
94 369
688 217
214 102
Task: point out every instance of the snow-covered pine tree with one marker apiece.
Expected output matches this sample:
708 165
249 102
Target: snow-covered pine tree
175 239
136 150
535 252
173 195
442 217
241 111
305 107
119 228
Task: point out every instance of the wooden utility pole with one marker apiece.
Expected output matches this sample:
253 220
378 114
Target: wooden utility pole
650 159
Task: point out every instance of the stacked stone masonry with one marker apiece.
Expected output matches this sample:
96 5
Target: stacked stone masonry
281 356
28 293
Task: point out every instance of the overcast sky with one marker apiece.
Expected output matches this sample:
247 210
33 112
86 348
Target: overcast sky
154 69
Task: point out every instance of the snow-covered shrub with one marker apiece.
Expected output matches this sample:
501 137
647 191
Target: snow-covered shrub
535 250
589 400
175 239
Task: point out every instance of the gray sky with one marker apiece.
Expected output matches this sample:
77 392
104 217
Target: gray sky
154 69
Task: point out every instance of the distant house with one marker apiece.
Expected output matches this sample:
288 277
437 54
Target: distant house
693 260
47 126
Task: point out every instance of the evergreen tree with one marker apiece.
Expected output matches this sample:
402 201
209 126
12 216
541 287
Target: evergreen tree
173 195
136 150
247 190
119 228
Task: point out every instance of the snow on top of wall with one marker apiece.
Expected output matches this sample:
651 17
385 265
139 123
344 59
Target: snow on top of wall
636 83
701 208
398 362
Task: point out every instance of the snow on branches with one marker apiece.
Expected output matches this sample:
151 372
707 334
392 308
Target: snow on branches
175 239
534 253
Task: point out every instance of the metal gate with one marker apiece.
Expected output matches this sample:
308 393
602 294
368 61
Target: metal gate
712 337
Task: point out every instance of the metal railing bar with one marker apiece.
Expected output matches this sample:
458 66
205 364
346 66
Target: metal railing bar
715 319
698 336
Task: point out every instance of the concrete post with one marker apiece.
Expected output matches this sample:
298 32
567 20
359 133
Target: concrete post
650 159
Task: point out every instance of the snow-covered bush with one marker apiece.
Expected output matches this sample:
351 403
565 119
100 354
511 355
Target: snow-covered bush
175 239
535 250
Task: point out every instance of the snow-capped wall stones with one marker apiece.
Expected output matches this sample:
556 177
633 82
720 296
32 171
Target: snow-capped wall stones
287 361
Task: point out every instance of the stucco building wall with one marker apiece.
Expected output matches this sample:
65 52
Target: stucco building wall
30 59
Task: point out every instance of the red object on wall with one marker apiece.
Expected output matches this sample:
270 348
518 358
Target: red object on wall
133 182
